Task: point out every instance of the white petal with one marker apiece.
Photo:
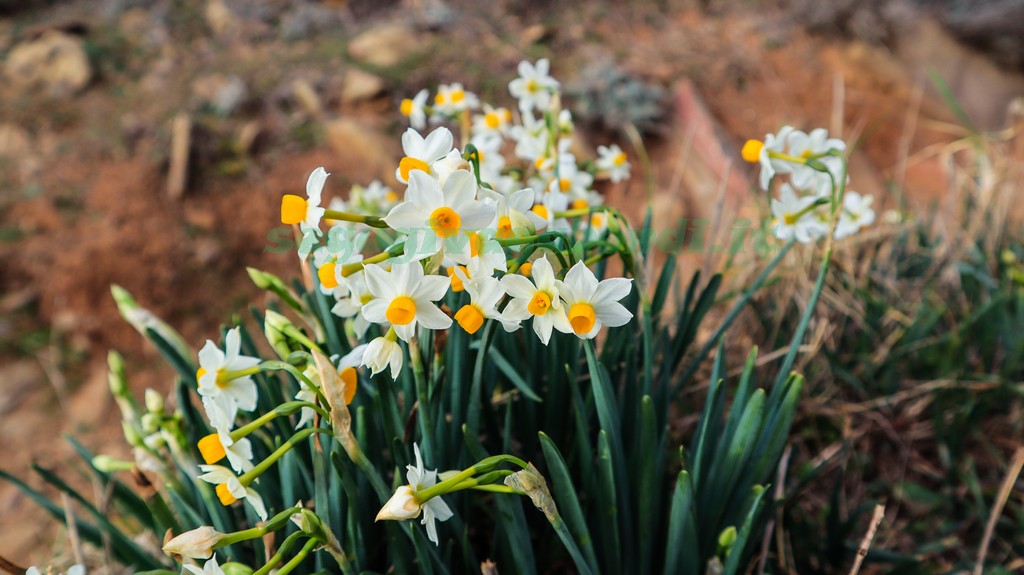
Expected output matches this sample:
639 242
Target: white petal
518 287
315 184
379 282
612 314
432 288
430 317
542 326
477 215
437 144
516 310
376 310
211 357
560 320
581 283
407 216
256 501
611 289
424 191
460 189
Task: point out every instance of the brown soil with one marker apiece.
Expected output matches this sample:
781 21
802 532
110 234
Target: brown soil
83 191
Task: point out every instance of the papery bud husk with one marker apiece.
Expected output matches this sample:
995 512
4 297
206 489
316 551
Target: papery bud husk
402 505
195 544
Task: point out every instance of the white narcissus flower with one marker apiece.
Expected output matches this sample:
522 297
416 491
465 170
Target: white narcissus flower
305 211
531 137
493 122
533 87
230 489
570 179
421 153
452 99
794 216
813 145
475 251
404 505
484 294
513 216
538 299
383 353
755 151
217 446
209 568
405 298
613 161
195 544
855 214
415 109
444 211
219 378
374 198
348 306
492 162
591 303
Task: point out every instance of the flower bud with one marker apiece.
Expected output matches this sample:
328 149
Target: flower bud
131 434
402 505
151 422
154 402
195 544
108 464
142 319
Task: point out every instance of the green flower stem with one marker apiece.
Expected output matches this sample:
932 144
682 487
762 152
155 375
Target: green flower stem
277 365
453 483
255 472
496 489
275 523
299 557
731 316
283 409
536 238
393 251
826 259
285 547
238 373
471 154
426 422
294 333
372 221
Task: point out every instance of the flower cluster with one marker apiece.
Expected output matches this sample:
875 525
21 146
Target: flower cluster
497 219
817 178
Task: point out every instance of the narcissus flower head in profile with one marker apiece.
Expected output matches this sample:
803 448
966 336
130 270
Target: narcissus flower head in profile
405 298
591 304
404 504
195 544
415 109
306 211
230 489
384 353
